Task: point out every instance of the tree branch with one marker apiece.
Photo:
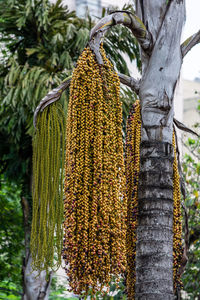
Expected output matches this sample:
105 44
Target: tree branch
51 97
130 82
127 19
190 150
55 94
182 127
190 43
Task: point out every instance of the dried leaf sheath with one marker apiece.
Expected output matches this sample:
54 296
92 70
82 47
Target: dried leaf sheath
47 190
95 205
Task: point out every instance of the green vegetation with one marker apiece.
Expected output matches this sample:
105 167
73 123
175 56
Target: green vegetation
191 167
11 238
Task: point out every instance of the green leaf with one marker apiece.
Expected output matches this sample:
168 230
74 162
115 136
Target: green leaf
191 141
30 51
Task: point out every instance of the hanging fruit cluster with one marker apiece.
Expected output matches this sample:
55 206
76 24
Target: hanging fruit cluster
47 190
100 206
177 225
95 202
132 168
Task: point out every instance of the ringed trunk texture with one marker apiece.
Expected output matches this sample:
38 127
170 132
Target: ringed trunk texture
154 260
161 69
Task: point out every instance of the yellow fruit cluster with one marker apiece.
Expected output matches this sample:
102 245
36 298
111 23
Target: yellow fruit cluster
177 224
47 190
132 168
95 201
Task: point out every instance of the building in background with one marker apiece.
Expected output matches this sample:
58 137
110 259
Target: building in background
93 6
185 107
82 6
191 96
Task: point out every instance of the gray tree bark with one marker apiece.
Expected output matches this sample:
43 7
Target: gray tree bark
154 252
36 286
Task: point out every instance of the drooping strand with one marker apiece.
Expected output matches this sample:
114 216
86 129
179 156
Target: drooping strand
177 224
47 190
95 201
132 167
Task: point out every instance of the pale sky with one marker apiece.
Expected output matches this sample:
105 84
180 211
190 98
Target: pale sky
191 64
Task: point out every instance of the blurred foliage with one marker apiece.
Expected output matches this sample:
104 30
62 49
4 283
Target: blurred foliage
8 291
11 238
58 289
116 292
191 168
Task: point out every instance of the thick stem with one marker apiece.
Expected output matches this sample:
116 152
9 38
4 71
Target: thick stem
127 19
154 260
130 82
190 43
51 97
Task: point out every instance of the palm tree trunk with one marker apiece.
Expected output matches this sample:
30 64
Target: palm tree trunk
161 69
154 260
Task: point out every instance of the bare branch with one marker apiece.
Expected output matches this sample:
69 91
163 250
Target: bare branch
190 43
51 97
182 127
127 19
55 94
192 151
130 82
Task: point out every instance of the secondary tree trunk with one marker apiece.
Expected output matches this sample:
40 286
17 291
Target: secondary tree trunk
35 286
161 69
